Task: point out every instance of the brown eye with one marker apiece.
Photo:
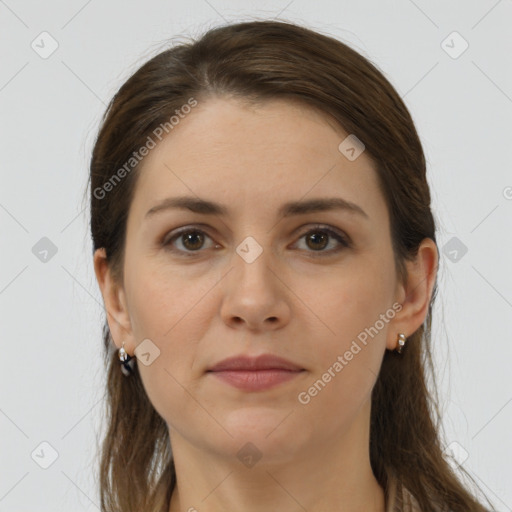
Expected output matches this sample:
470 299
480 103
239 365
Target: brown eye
192 240
187 241
316 240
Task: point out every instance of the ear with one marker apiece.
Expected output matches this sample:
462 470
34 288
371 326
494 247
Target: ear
414 295
114 299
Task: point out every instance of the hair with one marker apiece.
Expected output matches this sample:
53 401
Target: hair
257 61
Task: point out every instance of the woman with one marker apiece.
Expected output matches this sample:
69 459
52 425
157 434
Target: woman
266 252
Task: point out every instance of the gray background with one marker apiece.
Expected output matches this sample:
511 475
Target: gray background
51 379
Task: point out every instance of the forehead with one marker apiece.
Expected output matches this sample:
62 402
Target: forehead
256 157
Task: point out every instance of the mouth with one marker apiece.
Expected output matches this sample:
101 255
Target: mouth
256 380
255 373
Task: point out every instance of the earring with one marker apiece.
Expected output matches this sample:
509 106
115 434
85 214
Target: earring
127 362
401 342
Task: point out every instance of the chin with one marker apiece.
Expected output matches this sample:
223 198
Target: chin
274 432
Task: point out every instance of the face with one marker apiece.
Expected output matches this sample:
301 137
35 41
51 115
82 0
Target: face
253 280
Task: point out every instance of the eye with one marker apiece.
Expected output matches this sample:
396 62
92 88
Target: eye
190 238
317 239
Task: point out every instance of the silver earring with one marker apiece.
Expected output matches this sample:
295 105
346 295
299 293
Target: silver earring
401 342
126 361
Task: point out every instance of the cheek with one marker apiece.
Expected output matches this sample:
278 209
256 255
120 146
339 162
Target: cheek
163 300
357 308
168 308
347 363
355 300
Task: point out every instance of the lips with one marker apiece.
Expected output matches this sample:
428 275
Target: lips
263 362
255 373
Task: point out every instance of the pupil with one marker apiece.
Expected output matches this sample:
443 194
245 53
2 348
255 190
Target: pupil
190 237
315 238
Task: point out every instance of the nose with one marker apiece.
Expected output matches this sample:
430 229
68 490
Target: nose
254 296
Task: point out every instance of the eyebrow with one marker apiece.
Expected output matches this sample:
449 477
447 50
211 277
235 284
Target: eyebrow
202 206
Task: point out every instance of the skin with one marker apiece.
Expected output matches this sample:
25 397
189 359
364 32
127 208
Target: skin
213 305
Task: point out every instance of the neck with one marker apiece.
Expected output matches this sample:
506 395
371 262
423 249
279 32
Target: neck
332 475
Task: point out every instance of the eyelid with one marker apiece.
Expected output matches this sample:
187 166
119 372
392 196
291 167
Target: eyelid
343 239
175 233
327 228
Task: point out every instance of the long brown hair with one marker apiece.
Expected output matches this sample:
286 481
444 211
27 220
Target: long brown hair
257 61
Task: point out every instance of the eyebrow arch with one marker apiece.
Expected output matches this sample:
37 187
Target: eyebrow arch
288 209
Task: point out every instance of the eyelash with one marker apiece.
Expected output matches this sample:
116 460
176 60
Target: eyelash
167 242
